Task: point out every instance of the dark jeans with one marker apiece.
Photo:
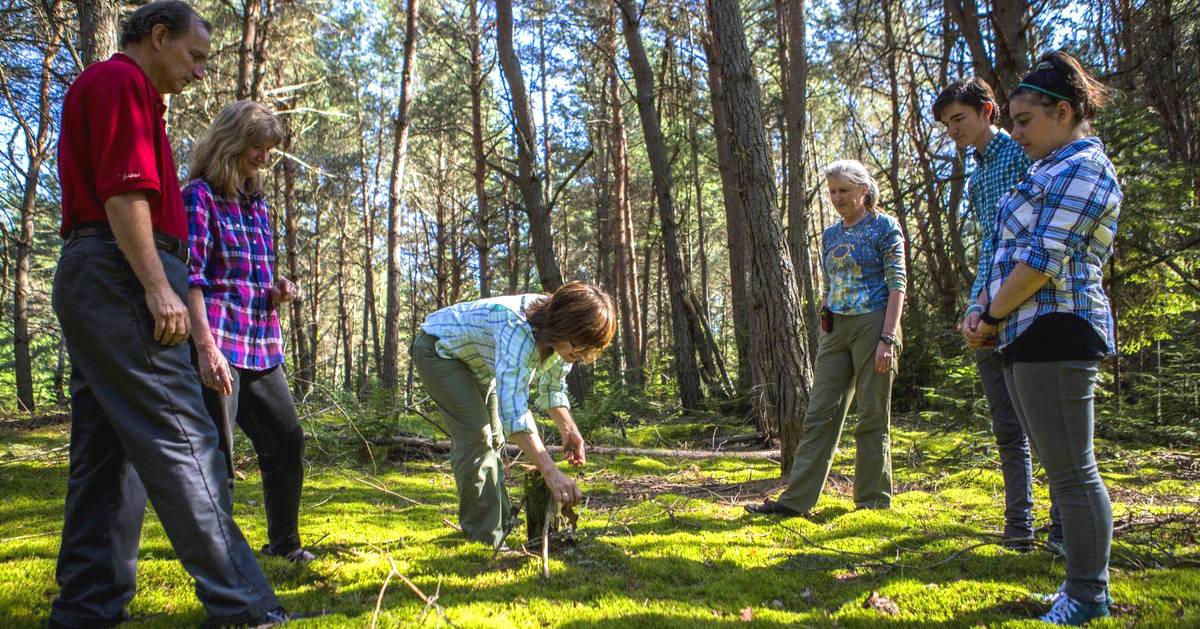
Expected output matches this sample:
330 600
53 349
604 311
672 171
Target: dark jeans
137 413
1016 466
1055 404
262 405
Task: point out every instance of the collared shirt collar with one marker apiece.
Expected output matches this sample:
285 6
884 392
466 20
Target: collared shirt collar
159 103
993 146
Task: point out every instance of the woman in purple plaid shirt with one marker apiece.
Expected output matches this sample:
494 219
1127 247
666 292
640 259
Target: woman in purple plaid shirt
232 299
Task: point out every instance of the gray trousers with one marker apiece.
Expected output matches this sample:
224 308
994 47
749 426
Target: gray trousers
1055 403
1016 466
138 430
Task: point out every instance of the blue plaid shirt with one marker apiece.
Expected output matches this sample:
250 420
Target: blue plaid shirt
1001 165
1060 221
493 338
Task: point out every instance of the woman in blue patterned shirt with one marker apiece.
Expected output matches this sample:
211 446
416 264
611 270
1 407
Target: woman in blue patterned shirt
1046 309
864 263
478 360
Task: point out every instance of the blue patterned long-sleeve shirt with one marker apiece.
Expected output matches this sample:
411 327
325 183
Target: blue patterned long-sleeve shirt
493 338
1000 167
1061 221
862 264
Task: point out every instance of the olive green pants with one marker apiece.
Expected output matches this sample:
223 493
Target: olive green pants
473 421
845 372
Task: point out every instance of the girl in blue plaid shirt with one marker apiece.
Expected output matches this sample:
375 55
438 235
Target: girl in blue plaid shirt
1047 312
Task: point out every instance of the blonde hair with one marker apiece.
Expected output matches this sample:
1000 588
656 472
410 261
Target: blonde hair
215 156
852 171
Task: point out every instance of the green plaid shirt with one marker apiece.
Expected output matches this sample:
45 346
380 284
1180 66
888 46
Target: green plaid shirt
493 338
1001 166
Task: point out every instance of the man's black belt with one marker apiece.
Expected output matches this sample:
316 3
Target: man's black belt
163 242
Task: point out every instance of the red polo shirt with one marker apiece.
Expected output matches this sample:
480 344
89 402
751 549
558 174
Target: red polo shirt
114 140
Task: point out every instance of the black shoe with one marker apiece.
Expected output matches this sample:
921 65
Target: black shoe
1019 544
772 507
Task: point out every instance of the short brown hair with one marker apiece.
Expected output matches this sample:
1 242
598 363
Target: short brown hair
177 16
577 312
973 92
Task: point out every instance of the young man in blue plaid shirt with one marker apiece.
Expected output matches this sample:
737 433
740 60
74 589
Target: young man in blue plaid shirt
969 112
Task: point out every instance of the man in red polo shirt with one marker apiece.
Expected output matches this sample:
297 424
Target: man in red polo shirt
138 423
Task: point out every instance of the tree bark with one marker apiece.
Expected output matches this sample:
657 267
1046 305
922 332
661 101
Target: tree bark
687 371
528 181
1010 27
299 331
251 10
97 29
482 210
780 362
624 260
737 242
796 106
400 125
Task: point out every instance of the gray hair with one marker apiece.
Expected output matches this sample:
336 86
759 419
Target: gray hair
852 171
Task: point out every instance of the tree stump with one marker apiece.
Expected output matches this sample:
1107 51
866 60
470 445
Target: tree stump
539 507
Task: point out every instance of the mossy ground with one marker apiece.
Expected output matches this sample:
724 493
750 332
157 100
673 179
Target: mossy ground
662 543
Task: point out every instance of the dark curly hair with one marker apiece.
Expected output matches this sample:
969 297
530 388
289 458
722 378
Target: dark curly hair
175 15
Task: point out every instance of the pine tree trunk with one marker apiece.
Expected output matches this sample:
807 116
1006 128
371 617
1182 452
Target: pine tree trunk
529 181
482 211
400 125
780 354
687 371
97 29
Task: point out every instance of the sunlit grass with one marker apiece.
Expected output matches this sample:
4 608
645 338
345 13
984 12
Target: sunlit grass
662 543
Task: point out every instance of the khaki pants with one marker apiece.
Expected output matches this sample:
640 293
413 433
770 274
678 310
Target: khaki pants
473 420
845 371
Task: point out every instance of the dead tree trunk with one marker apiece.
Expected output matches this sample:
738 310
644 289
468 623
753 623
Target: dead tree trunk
780 362
687 371
528 180
400 125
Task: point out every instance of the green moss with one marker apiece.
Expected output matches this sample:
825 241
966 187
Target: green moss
663 543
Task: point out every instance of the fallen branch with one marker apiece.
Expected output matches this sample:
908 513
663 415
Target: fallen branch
513 450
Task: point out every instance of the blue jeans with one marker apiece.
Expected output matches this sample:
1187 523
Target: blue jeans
1016 467
1055 403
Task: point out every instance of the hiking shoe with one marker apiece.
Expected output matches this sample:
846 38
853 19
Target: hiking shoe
298 555
1019 544
1062 591
274 618
772 507
1069 612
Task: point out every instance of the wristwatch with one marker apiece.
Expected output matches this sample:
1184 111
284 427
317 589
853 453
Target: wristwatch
889 339
986 316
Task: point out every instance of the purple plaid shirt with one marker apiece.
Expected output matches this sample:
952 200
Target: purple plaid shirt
233 261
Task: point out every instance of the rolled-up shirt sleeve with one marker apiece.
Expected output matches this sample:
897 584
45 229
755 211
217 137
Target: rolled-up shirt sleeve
552 386
894 272
199 206
514 342
1072 202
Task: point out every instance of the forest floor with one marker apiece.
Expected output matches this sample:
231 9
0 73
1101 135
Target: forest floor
661 542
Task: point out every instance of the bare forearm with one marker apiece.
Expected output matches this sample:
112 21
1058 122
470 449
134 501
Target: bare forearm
1017 288
129 218
198 314
561 416
533 448
895 308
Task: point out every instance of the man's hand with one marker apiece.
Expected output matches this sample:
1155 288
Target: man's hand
284 291
214 370
171 326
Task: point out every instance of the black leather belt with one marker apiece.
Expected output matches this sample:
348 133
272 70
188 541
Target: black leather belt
163 242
